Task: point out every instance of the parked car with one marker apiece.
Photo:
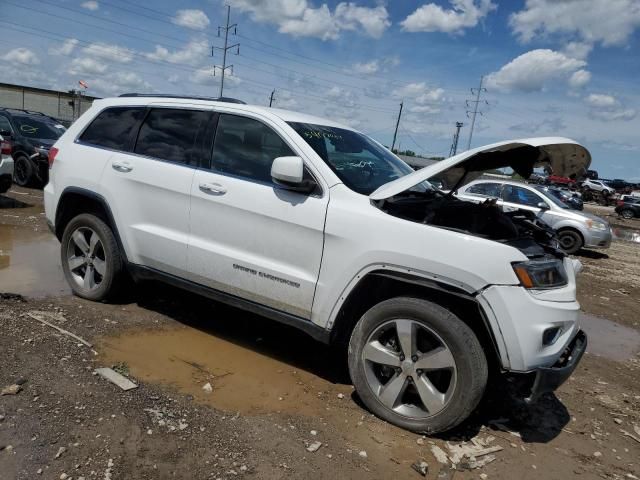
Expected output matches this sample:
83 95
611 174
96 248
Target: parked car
575 229
597 186
6 164
617 184
314 224
592 174
32 134
559 180
566 196
628 207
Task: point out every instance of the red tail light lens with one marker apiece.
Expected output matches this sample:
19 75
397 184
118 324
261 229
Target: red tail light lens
5 147
52 155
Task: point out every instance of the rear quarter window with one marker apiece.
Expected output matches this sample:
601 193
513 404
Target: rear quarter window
113 128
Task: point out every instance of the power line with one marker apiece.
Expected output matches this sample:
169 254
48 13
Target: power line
477 92
224 49
395 133
456 136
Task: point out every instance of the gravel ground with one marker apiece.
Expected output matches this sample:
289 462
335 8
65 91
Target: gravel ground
274 392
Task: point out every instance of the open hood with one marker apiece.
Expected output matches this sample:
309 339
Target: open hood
559 156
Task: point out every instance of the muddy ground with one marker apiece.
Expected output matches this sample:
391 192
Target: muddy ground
274 391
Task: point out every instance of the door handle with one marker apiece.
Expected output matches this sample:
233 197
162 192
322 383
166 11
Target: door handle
213 188
123 167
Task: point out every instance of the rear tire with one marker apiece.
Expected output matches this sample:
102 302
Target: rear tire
23 170
628 214
437 386
91 259
570 240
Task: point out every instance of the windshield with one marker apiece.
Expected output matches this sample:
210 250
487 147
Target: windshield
362 164
552 196
40 128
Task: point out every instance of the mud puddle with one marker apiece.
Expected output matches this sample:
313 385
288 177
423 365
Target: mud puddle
30 263
610 339
626 234
242 378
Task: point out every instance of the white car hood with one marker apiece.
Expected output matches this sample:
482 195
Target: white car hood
562 156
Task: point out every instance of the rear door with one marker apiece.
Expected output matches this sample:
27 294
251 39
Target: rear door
249 237
150 186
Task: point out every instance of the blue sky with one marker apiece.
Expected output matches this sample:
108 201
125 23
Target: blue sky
551 67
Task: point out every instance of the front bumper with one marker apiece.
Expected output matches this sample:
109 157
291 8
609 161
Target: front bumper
548 379
598 238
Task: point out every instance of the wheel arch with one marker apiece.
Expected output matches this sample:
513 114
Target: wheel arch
381 285
75 201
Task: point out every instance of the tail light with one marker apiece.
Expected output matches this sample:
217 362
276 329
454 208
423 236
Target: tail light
53 151
620 203
5 147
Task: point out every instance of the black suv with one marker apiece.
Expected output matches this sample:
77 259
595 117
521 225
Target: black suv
32 134
629 207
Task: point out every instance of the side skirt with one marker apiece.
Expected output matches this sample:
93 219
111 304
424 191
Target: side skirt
141 273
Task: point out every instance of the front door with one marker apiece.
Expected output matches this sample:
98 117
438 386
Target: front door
249 237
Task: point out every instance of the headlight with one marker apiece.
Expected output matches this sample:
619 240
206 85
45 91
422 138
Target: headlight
596 225
541 273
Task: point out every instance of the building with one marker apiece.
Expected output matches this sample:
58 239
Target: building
60 105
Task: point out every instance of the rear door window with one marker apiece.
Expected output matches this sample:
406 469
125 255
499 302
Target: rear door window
113 128
485 190
5 125
173 135
245 147
521 196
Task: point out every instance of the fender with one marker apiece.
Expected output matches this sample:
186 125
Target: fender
99 199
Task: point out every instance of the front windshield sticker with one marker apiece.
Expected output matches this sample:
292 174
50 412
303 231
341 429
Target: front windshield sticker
321 134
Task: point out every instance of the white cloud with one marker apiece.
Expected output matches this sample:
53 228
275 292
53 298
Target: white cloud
66 48
610 22
579 50
87 66
609 108
579 78
117 83
301 18
367 68
341 96
90 5
420 93
205 76
193 53
191 18
375 66
113 53
22 56
425 109
284 99
531 71
433 18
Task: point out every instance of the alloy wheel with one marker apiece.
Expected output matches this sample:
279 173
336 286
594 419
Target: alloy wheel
409 368
86 258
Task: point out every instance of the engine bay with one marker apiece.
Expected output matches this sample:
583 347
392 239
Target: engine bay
520 229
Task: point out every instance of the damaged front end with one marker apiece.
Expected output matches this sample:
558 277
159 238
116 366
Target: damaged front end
413 198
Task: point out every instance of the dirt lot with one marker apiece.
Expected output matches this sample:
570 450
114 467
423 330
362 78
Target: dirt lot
274 391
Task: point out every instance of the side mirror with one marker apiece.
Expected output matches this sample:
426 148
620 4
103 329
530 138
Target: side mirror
542 206
288 173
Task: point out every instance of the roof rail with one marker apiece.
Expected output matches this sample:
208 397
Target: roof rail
30 112
186 97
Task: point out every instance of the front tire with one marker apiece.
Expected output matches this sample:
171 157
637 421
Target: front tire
570 240
417 365
91 259
628 214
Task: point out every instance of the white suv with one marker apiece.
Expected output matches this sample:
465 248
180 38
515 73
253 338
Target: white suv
598 186
316 225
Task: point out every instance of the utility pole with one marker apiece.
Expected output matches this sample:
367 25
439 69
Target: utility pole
271 97
456 136
224 49
395 134
477 92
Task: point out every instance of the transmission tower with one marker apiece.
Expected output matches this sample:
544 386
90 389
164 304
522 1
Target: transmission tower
456 136
225 28
475 109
